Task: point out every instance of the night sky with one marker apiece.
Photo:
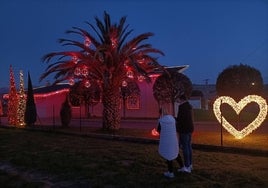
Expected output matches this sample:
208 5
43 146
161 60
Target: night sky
207 35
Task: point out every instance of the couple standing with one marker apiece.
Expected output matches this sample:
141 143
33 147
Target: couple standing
169 143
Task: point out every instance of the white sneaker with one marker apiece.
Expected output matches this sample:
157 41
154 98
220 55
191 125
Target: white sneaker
185 169
191 167
169 174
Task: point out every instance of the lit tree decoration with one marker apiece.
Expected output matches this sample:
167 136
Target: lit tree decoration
12 100
238 107
106 56
22 102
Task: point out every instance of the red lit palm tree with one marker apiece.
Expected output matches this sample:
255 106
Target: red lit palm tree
108 59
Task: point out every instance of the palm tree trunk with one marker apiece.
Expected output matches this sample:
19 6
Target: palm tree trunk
111 102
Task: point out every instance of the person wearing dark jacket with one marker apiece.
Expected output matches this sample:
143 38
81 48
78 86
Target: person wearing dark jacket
185 128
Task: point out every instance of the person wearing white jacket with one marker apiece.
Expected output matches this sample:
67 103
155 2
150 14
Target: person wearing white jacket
168 141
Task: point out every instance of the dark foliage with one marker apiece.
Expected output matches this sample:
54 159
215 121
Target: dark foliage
30 111
170 85
238 81
66 113
88 95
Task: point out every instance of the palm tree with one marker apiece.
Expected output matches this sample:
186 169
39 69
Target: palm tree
108 59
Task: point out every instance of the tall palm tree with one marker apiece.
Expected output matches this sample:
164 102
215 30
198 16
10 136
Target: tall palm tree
108 59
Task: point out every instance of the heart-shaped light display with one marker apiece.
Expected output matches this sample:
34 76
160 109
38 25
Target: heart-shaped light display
238 107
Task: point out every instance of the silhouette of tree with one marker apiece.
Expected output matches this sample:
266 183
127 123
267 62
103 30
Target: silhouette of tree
238 81
65 113
170 85
30 111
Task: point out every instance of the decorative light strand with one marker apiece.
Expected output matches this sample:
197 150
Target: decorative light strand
22 103
37 96
51 93
238 107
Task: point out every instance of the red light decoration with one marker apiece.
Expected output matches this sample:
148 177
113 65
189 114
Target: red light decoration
141 78
13 100
154 132
5 96
51 93
87 42
87 84
71 81
84 71
77 71
75 59
124 83
130 74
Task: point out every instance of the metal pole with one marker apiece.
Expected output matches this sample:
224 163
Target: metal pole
221 129
53 117
80 119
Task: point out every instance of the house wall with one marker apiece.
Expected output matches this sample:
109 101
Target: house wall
147 106
49 105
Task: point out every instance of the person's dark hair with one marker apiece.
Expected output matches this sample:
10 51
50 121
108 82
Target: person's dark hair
182 97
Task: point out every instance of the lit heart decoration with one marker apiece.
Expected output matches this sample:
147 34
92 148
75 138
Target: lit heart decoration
238 107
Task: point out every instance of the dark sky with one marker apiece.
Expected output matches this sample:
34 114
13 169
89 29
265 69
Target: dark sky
207 35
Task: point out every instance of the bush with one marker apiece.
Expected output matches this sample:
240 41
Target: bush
66 113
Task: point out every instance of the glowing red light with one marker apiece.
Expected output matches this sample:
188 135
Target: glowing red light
154 132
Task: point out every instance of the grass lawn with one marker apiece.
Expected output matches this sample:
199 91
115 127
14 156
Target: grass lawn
80 161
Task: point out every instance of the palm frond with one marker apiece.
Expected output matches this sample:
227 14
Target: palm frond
96 31
61 55
101 28
66 42
123 37
84 33
101 56
107 22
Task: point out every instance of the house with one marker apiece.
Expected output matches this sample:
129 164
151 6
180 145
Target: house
48 100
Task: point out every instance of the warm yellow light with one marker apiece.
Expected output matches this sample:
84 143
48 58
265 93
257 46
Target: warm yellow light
238 107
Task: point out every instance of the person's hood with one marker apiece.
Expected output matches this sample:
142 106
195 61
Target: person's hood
167 119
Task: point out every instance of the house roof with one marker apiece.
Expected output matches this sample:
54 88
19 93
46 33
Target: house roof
60 86
179 69
51 88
